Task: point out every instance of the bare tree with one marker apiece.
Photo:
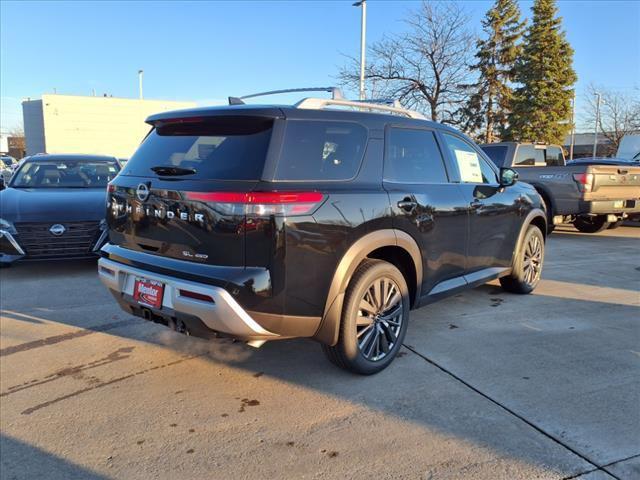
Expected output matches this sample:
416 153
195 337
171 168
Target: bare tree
17 144
426 67
619 113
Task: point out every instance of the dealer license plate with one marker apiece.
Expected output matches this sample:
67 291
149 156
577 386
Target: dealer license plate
148 292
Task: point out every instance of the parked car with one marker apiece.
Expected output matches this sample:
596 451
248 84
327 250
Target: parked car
53 207
591 196
629 148
263 222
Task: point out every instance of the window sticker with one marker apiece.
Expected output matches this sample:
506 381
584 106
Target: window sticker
469 166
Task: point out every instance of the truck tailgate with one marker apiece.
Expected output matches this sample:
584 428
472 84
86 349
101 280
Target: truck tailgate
613 182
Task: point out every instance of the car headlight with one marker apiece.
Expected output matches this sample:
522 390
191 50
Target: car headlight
7 226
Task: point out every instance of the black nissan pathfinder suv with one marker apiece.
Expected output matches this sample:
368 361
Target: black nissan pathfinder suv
271 222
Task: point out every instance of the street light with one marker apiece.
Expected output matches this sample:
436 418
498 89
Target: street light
595 133
573 125
363 34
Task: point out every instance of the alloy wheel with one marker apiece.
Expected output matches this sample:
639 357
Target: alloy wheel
380 317
532 260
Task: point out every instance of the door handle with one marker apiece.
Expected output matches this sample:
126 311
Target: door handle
408 205
475 204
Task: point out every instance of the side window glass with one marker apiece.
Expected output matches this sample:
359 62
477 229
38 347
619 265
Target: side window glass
526 155
554 157
413 156
472 167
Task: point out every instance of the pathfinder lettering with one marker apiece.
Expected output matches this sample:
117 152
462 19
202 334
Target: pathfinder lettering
119 208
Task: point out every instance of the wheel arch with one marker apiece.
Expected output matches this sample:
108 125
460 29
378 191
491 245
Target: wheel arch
392 245
535 217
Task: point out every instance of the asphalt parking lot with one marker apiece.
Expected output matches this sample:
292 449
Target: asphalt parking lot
489 385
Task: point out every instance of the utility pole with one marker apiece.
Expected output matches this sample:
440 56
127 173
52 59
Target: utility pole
363 35
595 134
140 73
573 125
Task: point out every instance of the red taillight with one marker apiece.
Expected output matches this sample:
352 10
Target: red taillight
197 296
264 203
584 180
111 188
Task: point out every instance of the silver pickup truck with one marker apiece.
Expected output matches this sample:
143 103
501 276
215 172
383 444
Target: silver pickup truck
592 197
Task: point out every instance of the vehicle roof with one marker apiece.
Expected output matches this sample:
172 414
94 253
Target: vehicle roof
369 119
56 157
497 144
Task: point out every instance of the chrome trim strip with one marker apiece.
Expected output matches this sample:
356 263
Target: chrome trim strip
100 241
12 241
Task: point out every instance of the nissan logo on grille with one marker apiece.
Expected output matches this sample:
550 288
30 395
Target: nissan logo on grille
142 192
57 229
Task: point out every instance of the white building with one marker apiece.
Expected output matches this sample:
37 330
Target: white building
93 125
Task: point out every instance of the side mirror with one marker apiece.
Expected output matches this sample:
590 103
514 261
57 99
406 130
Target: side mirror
508 177
2 185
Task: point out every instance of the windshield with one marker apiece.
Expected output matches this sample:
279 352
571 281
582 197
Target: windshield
65 174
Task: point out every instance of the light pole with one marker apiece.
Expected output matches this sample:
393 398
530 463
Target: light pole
363 35
573 125
595 133
140 73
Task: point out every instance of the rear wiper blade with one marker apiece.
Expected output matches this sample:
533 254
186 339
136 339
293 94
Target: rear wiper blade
173 171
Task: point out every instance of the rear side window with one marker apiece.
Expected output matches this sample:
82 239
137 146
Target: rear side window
554 157
528 155
413 156
317 150
222 148
496 153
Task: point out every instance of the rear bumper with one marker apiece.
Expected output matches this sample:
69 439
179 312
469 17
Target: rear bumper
601 207
223 316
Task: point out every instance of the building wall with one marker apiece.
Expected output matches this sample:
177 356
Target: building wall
33 126
4 143
96 125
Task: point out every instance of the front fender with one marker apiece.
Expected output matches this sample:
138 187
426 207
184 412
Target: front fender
536 216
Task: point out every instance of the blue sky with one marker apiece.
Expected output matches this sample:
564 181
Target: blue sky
205 51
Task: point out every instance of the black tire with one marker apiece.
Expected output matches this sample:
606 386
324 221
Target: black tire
591 224
528 263
356 349
614 225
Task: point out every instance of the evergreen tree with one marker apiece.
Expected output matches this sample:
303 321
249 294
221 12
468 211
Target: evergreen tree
546 77
487 109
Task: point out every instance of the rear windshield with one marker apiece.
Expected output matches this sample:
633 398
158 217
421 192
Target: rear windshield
65 174
318 150
224 148
497 153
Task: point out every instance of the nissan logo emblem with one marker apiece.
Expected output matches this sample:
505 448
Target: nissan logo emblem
57 229
142 192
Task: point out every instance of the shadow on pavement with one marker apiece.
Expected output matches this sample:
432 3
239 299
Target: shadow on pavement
411 389
21 460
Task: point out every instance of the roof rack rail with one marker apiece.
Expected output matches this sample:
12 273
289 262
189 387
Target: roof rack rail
320 103
381 104
335 92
